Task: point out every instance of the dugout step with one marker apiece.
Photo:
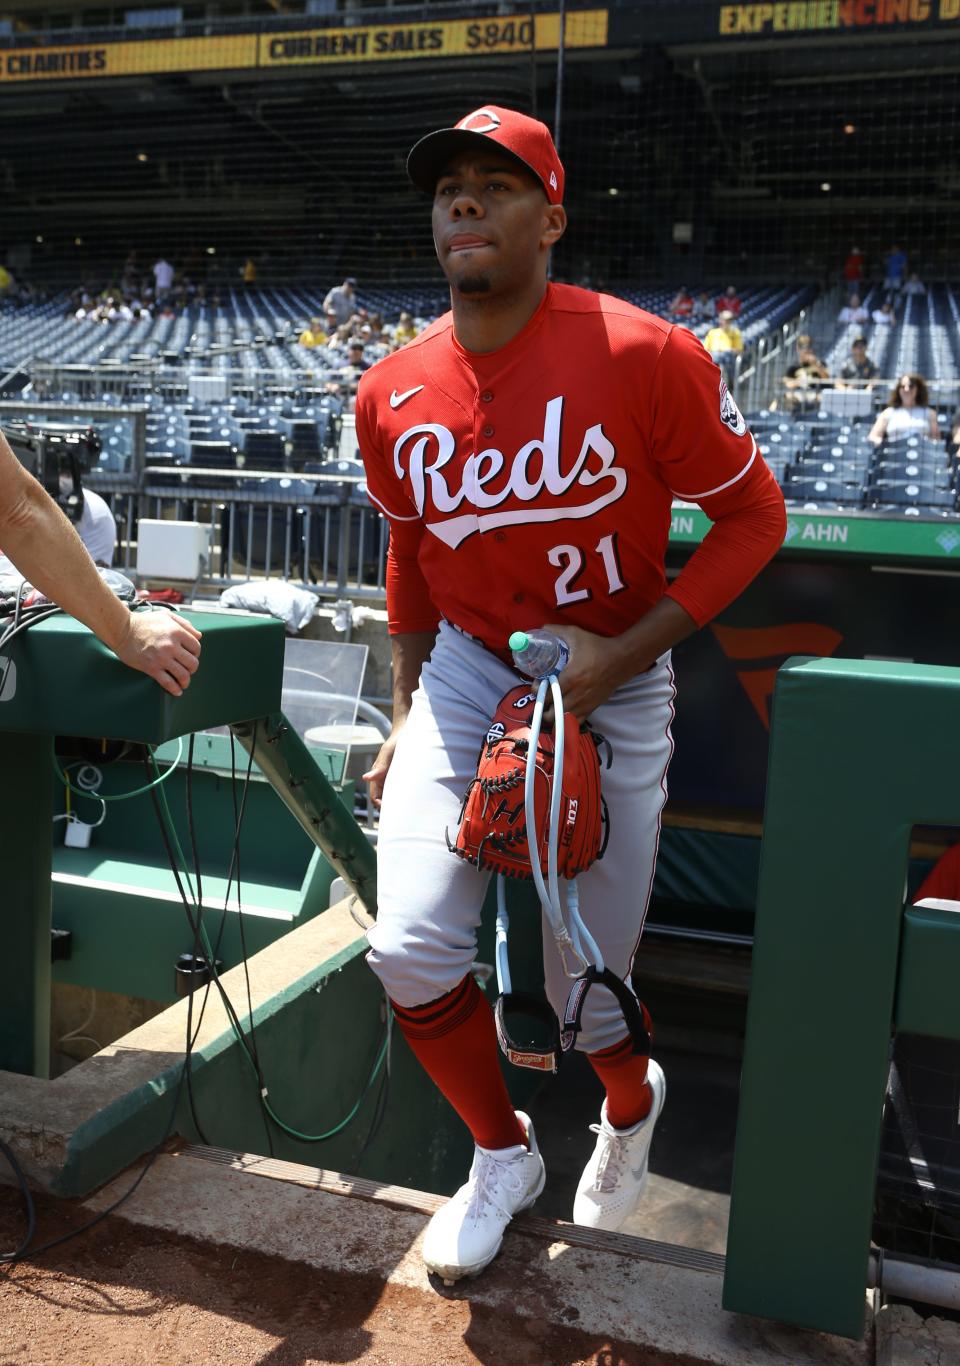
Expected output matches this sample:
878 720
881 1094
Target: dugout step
623 1293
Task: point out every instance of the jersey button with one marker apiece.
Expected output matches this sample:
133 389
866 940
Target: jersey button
487 396
488 431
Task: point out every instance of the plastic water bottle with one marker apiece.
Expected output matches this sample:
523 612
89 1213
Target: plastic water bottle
538 653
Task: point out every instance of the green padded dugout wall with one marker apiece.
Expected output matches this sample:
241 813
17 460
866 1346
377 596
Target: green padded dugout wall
860 752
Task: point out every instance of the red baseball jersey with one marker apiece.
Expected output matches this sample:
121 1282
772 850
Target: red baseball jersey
534 483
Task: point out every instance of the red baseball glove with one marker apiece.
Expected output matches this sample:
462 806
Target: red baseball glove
493 829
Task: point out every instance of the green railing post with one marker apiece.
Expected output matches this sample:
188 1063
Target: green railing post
289 767
26 815
860 752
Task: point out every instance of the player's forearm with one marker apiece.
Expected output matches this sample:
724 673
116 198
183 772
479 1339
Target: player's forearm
48 552
664 626
410 650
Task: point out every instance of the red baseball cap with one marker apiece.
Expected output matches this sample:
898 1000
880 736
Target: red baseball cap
527 141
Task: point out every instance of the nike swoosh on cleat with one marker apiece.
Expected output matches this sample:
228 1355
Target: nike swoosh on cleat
397 399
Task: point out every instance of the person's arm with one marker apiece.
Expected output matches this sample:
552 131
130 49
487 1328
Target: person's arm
43 545
410 651
934 425
412 619
704 454
878 432
599 664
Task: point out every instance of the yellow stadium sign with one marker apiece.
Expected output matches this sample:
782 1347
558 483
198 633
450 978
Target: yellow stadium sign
454 38
269 51
127 59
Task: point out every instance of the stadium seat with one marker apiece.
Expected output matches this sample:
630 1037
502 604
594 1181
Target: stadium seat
903 493
823 489
221 455
264 449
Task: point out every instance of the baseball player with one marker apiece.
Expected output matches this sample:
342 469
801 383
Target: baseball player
526 449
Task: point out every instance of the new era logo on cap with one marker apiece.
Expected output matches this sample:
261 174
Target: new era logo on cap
526 139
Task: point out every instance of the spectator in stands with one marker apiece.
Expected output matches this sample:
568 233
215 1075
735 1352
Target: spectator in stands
249 272
853 267
724 341
914 284
347 376
729 301
163 274
803 380
130 276
342 300
955 432
855 372
97 528
885 315
726 336
355 357
405 331
375 344
908 413
895 269
703 308
314 335
681 305
854 311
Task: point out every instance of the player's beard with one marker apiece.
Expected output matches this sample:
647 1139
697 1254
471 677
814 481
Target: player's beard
473 284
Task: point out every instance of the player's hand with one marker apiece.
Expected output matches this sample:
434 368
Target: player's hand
163 646
595 669
376 775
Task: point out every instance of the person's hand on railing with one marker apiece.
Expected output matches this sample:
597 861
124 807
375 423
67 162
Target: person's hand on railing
162 645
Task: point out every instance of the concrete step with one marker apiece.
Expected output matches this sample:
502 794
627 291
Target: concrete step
660 1302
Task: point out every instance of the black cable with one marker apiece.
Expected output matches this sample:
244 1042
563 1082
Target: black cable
197 946
19 604
232 871
25 1251
224 997
235 867
30 617
383 1090
12 1257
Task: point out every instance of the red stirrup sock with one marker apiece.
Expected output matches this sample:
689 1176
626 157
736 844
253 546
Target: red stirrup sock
455 1041
624 1074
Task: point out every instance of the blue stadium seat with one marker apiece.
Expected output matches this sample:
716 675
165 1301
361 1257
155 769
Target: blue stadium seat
822 489
264 449
221 455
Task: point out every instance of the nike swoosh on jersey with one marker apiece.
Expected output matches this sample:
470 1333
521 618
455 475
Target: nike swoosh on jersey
396 400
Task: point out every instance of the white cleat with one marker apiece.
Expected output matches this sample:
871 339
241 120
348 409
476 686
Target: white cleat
614 1178
465 1235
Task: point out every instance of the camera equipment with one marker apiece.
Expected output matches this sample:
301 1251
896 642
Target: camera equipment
58 455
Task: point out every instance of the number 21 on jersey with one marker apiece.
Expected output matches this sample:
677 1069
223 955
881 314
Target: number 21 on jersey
571 560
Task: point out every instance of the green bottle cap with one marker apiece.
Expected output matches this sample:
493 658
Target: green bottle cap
519 642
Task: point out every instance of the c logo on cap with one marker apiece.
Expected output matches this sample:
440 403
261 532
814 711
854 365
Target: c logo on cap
488 121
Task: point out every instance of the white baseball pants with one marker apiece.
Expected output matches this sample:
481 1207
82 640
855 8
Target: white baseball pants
424 941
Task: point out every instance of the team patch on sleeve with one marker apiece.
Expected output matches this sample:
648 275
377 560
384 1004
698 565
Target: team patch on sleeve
730 414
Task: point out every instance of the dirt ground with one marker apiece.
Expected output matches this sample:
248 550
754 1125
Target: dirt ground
127 1295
